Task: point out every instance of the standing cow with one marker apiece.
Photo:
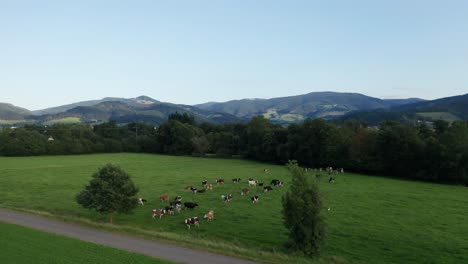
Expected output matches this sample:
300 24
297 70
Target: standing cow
209 216
192 221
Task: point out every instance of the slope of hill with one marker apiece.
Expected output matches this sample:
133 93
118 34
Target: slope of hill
142 109
449 108
11 112
396 102
292 109
139 101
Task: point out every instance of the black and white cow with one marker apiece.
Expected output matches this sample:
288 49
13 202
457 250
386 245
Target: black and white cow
141 201
227 198
178 198
177 205
267 189
276 183
254 199
252 183
236 180
169 209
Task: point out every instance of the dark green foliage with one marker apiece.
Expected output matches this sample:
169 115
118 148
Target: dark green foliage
301 211
110 191
175 137
431 152
183 118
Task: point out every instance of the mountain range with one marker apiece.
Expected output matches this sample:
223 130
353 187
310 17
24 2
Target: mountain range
282 110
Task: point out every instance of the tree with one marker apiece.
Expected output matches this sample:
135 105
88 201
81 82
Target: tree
301 211
200 145
110 191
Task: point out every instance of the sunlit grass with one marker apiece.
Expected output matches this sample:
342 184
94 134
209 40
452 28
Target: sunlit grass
371 219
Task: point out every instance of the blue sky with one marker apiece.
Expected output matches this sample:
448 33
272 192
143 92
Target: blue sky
58 52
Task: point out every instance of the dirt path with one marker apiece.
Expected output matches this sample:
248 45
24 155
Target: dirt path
128 243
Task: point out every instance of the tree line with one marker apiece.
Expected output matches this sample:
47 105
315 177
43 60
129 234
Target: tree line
437 153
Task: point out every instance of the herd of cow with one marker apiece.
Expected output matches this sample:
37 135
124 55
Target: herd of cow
176 204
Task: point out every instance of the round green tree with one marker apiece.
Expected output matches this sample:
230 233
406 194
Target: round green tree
110 191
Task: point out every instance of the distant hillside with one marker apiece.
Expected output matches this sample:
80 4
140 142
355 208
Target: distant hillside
293 109
282 110
449 108
142 109
396 102
11 112
139 101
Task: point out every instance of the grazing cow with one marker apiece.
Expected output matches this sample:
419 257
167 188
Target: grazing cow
209 186
260 184
204 182
141 201
227 198
164 198
236 180
176 205
244 191
178 198
190 205
194 189
254 199
159 212
252 183
169 209
192 221
209 216
267 189
277 183
201 191
265 170
219 181
331 180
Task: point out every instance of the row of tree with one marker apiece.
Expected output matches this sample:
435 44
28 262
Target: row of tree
433 153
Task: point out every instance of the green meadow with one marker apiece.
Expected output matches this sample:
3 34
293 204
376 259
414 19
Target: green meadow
371 219
24 245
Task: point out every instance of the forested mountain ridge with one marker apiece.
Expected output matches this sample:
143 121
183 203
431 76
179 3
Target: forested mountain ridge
121 110
282 110
449 109
293 109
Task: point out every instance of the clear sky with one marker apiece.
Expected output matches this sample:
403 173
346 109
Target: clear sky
58 52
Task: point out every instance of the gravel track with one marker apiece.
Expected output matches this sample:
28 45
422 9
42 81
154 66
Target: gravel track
124 242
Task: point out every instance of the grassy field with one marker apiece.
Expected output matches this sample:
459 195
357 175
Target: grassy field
24 245
66 120
371 219
11 122
439 116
